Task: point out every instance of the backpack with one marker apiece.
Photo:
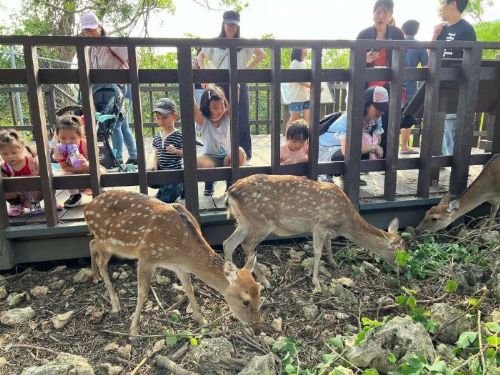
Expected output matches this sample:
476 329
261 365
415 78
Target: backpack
327 121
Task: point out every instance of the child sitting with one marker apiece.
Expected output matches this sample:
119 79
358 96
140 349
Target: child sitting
213 121
71 153
17 164
294 150
168 148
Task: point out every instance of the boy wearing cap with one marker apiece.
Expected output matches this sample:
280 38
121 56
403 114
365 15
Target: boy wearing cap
168 148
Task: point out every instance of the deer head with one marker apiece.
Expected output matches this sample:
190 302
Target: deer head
439 216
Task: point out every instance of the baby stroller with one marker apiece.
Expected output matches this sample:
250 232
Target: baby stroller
108 102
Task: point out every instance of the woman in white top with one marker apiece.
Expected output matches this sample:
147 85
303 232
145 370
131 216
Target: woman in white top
247 59
300 92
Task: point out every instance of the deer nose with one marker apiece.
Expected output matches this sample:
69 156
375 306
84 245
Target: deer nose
257 327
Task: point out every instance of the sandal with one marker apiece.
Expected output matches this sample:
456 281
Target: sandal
410 151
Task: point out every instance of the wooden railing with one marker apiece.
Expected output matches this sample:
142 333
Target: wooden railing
468 76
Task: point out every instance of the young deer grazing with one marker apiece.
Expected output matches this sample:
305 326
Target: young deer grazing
287 205
486 188
136 226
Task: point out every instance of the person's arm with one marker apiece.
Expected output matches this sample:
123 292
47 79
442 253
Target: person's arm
258 55
198 116
201 60
155 161
438 29
365 149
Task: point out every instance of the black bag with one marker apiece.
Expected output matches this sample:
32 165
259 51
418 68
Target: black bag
327 121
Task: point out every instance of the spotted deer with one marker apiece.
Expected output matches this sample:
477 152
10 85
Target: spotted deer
485 188
288 205
135 226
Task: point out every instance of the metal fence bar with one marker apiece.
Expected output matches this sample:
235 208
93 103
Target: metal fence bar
276 108
495 139
35 100
90 125
235 113
469 87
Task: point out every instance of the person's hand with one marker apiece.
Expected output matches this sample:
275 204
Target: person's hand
204 86
437 30
371 56
171 149
288 161
379 151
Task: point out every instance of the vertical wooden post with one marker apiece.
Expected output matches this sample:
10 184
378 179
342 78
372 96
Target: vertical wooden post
495 139
276 108
393 129
35 100
89 113
315 113
235 112
467 99
137 110
431 102
355 105
186 97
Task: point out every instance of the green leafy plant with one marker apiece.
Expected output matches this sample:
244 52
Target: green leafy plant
368 325
418 314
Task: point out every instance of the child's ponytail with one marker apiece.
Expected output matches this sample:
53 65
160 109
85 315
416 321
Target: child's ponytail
11 137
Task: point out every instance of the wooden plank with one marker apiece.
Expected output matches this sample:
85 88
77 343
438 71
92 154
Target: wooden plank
393 128
315 113
137 110
276 108
235 113
495 139
355 105
4 217
90 125
37 112
186 96
467 97
437 139
430 117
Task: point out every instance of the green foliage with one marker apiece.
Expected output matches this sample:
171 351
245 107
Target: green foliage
368 325
451 286
172 337
488 32
418 314
402 258
418 365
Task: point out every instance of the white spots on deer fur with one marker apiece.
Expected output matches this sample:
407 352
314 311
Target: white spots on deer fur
97 215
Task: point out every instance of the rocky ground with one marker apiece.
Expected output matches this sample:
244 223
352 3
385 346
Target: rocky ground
55 320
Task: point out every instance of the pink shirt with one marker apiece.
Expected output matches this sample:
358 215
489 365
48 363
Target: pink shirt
293 157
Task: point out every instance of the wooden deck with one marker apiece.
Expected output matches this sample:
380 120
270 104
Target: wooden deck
372 192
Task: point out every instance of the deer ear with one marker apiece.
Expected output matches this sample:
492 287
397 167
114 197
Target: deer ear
453 206
446 199
231 272
394 226
251 262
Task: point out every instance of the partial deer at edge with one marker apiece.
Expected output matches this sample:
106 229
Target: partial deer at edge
485 188
287 205
136 226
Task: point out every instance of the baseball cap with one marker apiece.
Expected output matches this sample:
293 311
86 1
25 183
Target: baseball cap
231 17
165 106
89 21
379 97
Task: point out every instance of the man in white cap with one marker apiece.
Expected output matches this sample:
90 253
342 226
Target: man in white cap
106 57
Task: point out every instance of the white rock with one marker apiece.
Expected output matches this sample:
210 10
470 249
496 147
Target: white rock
115 275
39 291
15 299
83 276
3 362
123 275
111 347
59 321
162 280
278 324
159 345
345 281
57 284
125 350
16 317
3 292
57 269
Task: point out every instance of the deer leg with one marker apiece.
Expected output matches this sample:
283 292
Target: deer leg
144 271
248 246
494 211
319 236
94 255
328 247
185 280
233 241
102 263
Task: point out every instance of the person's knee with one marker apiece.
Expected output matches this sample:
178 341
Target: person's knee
204 162
243 156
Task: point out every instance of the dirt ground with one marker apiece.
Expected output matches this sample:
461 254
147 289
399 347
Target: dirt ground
101 337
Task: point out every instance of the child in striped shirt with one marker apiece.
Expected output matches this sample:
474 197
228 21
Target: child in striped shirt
168 148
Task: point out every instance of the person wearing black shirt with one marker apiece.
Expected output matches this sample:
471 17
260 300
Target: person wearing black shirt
454 28
381 30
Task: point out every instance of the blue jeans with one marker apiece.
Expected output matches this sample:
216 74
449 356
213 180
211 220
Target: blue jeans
123 133
450 125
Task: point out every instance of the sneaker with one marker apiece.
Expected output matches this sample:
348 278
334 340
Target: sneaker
73 200
132 161
209 189
15 210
